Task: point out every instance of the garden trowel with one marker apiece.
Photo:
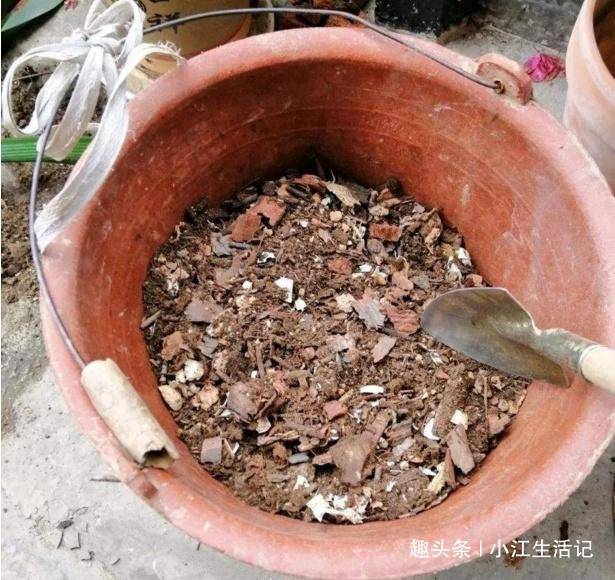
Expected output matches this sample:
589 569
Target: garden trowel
489 325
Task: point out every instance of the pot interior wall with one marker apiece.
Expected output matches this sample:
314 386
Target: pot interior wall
371 120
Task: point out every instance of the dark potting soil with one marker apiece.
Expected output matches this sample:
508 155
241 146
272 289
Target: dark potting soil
18 277
284 330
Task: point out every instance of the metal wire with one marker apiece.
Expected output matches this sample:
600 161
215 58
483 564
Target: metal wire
324 12
36 255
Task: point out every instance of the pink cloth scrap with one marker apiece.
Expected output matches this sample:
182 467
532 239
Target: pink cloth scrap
544 67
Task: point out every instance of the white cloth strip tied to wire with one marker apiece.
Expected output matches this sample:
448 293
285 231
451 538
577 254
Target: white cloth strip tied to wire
105 52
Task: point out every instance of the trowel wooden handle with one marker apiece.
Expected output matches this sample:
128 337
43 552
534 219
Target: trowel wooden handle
598 366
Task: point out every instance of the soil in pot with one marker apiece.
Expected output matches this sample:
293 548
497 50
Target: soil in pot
284 331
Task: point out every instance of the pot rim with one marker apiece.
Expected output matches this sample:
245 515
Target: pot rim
336 549
587 38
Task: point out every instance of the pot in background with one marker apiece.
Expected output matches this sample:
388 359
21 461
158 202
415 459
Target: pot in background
535 213
590 102
193 37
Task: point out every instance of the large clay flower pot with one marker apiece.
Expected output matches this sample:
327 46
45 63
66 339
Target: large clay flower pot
535 212
590 101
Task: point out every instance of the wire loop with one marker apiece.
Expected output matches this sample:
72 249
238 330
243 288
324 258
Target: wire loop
395 37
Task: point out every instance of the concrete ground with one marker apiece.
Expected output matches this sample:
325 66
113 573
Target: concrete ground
51 473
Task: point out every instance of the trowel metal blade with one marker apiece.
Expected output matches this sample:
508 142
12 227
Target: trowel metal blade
490 326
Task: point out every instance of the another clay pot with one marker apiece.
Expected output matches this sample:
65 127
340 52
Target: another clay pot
199 35
590 102
193 37
535 212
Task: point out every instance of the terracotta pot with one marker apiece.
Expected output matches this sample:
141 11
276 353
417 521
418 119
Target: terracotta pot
590 102
534 210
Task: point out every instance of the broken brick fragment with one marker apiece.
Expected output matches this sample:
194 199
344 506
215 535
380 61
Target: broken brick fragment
384 231
405 322
312 181
400 279
172 345
334 409
383 347
340 265
473 280
270 208
245 227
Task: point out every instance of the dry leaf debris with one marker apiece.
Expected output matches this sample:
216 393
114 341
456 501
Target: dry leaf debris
284 331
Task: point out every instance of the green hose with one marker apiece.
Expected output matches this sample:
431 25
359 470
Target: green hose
20 149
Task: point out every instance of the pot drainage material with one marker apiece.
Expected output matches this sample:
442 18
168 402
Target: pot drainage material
284 330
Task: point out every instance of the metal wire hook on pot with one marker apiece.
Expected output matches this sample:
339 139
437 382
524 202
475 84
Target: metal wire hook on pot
325 12
36 255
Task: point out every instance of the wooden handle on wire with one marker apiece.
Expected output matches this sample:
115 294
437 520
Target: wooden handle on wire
598 367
